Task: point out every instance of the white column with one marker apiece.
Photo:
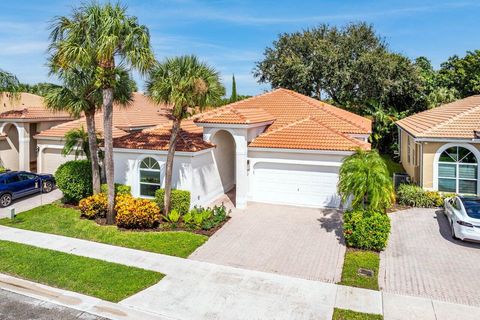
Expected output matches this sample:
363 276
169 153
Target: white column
23 146
241 172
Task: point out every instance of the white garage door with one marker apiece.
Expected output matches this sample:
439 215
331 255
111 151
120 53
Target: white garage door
302 185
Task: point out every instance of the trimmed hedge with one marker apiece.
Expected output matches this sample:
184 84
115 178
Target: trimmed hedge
180 200
368 230
119 188
74 179
414 196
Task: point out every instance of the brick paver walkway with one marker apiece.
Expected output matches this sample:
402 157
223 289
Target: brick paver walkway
300 242
423 260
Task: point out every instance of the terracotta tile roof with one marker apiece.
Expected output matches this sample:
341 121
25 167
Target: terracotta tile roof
299 122
456 120
308 133
140 114
28 106
158 138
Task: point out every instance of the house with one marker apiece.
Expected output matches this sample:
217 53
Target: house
141 113
278 147
21 118
439 148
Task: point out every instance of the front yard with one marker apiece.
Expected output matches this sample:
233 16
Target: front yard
101 279
63 221
359 259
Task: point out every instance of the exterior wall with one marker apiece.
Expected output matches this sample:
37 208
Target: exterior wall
429 151
224 158
9 148
207 184
410 164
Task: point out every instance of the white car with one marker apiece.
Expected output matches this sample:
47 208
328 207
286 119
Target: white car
463 214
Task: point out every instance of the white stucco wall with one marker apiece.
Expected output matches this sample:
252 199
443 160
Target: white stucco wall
49 157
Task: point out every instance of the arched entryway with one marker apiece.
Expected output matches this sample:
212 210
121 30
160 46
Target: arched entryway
224 155
9 147
456 169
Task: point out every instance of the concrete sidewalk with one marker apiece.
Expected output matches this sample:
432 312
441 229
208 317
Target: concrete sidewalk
200 290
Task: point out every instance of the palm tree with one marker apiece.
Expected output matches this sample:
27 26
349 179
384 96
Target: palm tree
76 142
104 37
364 177
185 84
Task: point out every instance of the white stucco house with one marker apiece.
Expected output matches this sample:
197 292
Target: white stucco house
278 147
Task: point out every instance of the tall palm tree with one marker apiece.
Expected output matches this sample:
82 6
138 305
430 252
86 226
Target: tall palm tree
364 177
103 36
185 84
79 95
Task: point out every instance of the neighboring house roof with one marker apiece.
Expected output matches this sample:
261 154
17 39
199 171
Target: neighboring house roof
297 122
27 106
456 120
139 114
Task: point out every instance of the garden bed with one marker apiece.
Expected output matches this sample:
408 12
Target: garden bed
66 221
105 280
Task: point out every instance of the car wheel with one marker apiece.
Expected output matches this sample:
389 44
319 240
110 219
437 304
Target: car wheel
453 231
5 200
47 186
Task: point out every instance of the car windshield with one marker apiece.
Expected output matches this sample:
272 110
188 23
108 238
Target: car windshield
472 207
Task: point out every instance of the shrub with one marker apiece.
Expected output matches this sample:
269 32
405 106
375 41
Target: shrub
135 213
119 188
2 169
173 217
74 179
95 206
414 196
368 230
205 218
180 200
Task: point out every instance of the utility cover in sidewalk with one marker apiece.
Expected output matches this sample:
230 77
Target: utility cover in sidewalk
365 272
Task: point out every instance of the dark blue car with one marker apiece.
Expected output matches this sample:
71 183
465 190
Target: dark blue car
17 184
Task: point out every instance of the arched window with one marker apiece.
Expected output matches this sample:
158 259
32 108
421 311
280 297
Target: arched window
150 177
458 171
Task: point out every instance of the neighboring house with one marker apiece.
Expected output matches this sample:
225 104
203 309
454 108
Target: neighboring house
21 118
439 148
278 147
141 113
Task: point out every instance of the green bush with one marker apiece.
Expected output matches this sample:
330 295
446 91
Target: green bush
414 196
2 169
180 200
74 179
205 218
119 188
368 230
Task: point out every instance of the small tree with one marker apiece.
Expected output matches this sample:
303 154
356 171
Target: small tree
233 96
364 177
76 142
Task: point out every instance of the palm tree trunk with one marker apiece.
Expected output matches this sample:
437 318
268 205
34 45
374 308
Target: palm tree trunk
108 146
169 165
93 147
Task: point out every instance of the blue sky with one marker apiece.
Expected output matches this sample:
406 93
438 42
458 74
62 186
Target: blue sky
232 35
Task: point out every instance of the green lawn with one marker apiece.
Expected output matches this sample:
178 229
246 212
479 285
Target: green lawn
341 314
392 165
66 222
101 279
355 259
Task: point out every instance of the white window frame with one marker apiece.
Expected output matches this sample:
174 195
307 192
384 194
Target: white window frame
437 161
140 183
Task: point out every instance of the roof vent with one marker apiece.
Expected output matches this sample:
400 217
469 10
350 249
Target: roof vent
476 134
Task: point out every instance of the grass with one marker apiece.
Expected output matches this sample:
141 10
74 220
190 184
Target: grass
66 222
101 279
341 314
355 259
392 165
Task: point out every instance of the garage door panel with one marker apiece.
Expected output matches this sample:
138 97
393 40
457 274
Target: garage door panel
295 184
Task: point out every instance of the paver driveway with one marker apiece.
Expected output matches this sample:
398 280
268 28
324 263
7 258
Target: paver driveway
300 242
422 259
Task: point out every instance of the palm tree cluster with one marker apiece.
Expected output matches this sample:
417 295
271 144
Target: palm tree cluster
93 51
